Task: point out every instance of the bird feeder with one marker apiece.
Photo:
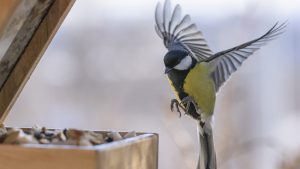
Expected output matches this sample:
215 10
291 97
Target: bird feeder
26 29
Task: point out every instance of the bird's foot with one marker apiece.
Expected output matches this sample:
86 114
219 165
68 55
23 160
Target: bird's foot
177 105
186 102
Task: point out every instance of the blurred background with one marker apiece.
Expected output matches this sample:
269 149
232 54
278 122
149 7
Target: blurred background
104 71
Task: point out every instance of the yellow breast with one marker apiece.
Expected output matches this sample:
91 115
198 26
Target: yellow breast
199 85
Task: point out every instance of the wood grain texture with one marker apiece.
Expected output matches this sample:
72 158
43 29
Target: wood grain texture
15 37
32 54
19 157
139 152
7 8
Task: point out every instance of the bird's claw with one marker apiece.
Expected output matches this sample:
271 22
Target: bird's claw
186 102
185 105
175 103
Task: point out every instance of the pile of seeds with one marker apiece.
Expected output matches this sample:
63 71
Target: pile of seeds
41 135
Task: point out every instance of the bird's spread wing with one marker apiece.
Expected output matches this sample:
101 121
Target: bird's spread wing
179 32
226 62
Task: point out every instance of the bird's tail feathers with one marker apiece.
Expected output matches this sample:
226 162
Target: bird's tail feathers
207 155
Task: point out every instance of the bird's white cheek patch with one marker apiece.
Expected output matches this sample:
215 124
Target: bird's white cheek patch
184 64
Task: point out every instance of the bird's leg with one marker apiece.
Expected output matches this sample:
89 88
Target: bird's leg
186 102
175 103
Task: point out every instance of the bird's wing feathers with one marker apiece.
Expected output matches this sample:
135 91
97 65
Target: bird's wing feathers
226 62
179 32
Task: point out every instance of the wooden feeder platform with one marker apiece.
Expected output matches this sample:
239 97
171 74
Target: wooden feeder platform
26 29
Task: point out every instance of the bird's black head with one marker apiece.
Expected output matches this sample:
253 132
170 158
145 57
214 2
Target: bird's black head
177 59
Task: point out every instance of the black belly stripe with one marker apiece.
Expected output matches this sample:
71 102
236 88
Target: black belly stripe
177 78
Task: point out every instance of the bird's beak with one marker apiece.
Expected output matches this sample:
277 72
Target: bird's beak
167 70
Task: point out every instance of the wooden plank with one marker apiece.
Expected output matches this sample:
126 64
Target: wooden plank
32 54
140 152
22 25
18 157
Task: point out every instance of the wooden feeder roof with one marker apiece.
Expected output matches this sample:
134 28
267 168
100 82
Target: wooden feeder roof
26 29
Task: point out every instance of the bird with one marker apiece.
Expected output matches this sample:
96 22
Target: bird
196 74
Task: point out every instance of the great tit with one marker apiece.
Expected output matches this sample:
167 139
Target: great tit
196 74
